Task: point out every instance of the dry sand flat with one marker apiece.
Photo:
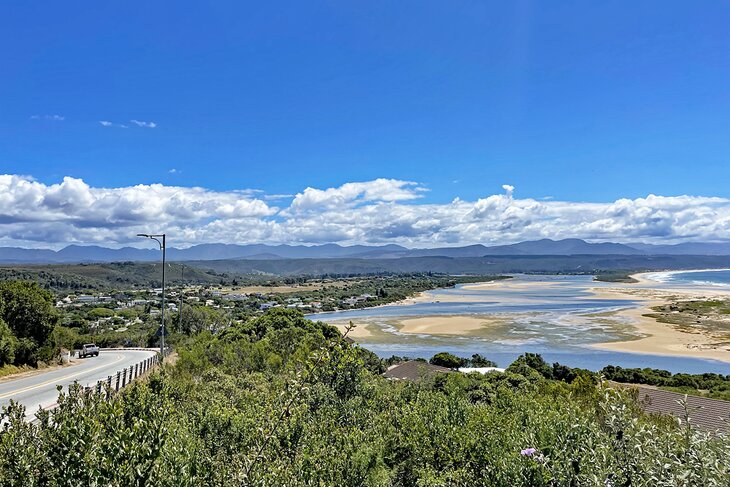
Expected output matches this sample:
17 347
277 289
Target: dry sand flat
447 325
662 338
360 331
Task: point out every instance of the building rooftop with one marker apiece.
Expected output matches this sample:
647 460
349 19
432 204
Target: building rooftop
704 413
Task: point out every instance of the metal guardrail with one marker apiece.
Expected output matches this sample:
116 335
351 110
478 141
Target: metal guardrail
120 380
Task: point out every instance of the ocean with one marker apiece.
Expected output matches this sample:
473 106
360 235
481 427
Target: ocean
719 278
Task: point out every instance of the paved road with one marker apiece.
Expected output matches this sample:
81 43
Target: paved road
40 390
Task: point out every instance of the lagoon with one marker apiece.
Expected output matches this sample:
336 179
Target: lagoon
559 317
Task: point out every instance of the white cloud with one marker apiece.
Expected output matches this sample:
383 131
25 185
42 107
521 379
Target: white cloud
173 171
55 118
378 211
107 123
148 125
352 194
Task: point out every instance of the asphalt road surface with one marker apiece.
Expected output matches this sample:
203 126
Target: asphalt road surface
39 390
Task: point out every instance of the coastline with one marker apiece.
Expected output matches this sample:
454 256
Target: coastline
661 338
652 337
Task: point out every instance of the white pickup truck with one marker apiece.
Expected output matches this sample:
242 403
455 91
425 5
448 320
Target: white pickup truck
89 350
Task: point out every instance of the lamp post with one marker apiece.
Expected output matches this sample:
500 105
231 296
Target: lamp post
182 289
157 238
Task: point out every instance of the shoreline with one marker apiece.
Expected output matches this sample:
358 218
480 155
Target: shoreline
641 277
652 337
661 338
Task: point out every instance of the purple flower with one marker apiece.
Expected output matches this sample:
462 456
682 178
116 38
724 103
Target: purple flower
528 452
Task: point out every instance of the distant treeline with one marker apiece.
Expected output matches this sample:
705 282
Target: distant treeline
545 264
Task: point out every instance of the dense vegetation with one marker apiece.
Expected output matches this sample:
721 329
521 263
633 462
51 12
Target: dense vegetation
27 322
615 276
105 277
493 264
280 400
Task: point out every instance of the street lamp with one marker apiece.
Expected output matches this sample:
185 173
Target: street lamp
157 238
182 289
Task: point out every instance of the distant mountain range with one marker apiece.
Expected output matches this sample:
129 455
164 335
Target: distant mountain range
204 252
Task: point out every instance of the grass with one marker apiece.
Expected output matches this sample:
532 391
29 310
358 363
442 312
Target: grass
9 369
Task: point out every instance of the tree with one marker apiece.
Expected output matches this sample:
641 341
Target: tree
445 359
194 319
528 362
478 360
101 313
29 313
8 343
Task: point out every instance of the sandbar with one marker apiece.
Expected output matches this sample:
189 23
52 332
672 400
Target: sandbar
661 338
447 325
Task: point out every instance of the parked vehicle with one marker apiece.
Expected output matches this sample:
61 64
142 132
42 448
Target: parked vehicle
89 350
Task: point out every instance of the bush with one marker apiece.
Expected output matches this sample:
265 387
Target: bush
445 359
297 406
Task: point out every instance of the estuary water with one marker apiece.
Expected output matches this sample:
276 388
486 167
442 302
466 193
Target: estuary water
556 316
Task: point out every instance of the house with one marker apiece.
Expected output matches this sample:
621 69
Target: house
84 298
705 413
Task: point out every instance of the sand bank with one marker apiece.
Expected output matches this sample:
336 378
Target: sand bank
447 325
661 338
360 331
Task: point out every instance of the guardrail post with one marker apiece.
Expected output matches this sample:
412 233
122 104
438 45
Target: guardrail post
124 377
98 388
109 387
136 370
118 380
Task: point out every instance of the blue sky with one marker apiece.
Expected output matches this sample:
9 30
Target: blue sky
574 101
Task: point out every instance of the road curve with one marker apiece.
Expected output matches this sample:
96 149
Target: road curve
39 390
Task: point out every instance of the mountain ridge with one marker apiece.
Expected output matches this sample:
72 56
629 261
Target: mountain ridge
215 251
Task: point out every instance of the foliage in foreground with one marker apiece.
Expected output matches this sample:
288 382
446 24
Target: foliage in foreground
280 400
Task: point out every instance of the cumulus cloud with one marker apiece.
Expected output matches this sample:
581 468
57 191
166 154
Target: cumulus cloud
353 194
72 211
371 212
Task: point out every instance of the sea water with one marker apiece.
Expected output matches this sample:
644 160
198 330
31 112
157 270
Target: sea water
716 278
